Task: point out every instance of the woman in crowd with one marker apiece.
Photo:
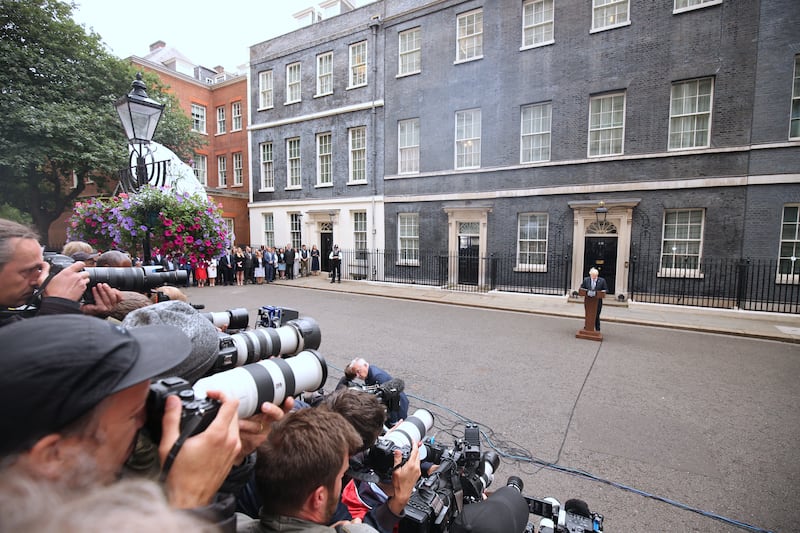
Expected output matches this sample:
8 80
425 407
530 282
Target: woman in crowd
211 270
314 260
281 264
260 267
238 259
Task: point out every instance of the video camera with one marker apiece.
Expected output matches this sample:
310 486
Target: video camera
137 279
573 517
271 380
463 475
388 392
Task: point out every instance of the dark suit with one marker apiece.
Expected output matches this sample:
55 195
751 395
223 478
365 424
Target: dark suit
599 286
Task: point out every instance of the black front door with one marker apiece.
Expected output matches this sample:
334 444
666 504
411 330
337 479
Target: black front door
601 253
468 249
325 248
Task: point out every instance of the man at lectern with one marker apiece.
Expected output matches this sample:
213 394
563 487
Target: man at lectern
594 284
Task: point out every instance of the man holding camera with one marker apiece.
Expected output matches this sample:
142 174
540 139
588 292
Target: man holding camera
372 375
75 389
25 275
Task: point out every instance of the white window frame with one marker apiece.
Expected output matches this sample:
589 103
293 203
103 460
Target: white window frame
408 239
324 74
199 118
266 93
538 18
267 154
408 146
220 119
360 232
682 6
200 167
685 113
610 14
469 36
358 65
357 154
602 132
535 123
526 222
236 116
325 159
269 229
794 120
294 88
467 139
238 169
681 251
222 171
789 246
295 231
409 48
293 164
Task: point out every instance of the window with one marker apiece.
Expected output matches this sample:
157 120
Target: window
468 139
198 118
690 114
269 230
537 23
222 170
360 232
220 120
295 230
324 159
794 126
469 36
325 74
788 264
267 168
408 238
408 146
236 114
535 133
687 5
238 170
293 83
358 154
410 52
606 124
293 163
200 167
358 64
607 14
532 242
265 89
683 240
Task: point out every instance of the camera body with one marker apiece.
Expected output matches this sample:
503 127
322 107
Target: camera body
388 393
196 413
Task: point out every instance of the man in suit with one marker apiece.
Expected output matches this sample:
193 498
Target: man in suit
595 284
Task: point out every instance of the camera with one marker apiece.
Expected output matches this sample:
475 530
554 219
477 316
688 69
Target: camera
137 279
254 345
272 380
388 393
238 318
573 517
272 317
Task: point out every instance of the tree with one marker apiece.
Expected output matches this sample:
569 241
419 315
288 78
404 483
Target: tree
58 86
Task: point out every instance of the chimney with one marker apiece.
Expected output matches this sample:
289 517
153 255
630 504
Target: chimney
157 45
219 69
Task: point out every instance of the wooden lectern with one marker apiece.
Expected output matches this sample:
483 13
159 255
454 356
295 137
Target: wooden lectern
590 311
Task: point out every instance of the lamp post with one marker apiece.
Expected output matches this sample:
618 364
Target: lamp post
140 115
601 213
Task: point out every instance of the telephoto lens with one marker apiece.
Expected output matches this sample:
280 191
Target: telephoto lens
271 380
238 318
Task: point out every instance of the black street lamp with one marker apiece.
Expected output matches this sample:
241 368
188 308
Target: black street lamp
140 115
601 213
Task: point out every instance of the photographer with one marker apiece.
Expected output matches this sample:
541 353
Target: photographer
74 424
25 274
299 473
372 375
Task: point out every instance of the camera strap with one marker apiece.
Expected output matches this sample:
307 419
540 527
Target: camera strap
187 431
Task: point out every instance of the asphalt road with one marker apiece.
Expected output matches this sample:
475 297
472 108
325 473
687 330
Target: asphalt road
704 420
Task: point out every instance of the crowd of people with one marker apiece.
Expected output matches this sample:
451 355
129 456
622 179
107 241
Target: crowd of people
75 380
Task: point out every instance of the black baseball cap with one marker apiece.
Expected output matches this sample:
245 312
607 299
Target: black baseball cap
56 368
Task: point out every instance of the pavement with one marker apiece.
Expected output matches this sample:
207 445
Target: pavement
754 324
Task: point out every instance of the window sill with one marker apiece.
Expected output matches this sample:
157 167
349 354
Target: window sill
611 27
351 87
293 188
695 8
536 45
407 74
320 95
292 102
272 189
467 60
323 185
530 268
220 133
689 273
407 263
265 108
361 182
688 148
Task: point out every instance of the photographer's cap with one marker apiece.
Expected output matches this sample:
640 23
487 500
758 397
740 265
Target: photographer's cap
56 368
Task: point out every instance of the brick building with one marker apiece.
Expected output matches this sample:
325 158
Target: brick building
579 133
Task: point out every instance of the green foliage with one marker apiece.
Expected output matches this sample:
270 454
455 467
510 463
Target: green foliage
58 85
